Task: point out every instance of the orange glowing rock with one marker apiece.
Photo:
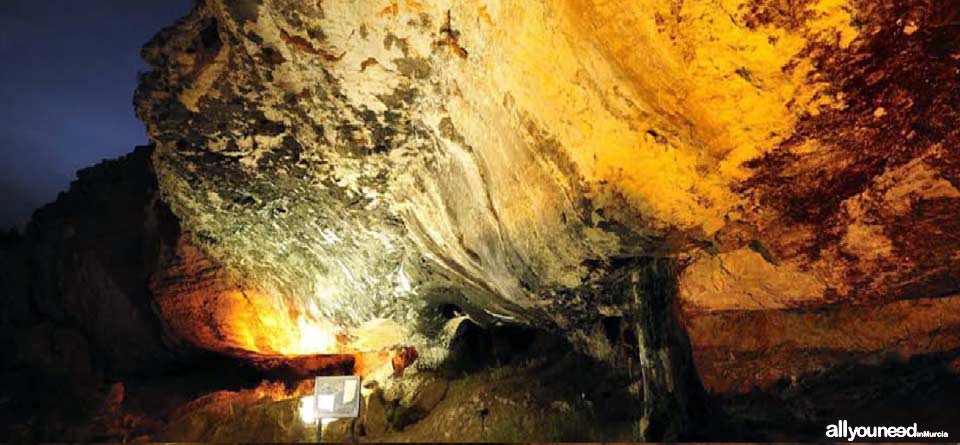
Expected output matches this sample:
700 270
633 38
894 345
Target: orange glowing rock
210 308
256 322
403 358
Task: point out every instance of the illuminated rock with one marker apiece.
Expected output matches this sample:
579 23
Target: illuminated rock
367 160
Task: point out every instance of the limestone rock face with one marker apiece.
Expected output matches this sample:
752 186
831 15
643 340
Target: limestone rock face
356 161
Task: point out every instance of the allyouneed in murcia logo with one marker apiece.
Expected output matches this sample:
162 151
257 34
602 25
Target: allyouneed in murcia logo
842 429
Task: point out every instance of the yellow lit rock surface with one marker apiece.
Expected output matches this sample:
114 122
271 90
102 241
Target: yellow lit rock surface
738 351
362 161
744 279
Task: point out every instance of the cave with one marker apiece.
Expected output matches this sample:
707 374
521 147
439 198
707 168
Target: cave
514 221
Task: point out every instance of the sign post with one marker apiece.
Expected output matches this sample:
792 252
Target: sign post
336 397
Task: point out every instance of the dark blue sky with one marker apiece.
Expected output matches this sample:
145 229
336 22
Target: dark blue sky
68 69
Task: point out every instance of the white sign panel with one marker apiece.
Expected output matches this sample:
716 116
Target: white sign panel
337 397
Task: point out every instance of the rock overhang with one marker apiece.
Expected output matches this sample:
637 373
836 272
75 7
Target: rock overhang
357 161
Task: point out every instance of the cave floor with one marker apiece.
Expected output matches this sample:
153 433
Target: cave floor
569 398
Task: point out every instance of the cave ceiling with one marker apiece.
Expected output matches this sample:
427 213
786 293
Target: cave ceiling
354 161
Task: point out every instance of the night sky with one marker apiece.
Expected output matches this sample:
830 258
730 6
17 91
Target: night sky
68 69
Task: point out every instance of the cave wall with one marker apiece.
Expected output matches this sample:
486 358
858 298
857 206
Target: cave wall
104 283
62 314
354 158
323 166
859 203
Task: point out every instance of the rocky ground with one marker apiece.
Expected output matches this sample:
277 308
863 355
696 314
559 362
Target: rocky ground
516 404
541 392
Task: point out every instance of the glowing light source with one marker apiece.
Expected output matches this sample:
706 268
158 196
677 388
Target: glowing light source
265 324
314 338
262 323
308 412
